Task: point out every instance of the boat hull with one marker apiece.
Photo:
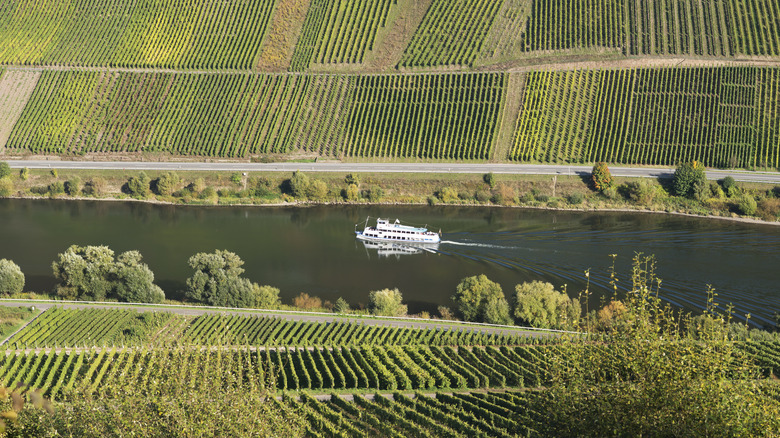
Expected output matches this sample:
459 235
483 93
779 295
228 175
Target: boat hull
426 240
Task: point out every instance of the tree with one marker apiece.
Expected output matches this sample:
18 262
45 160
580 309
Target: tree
299 184
473 295
341 306
497 311
84 273
688 177
167 183
11 278
489 179
217 280
539 305
94 187
265 297
317 190
24 174
374 193
73 186
386 302
351 193
134 281
138 187
5 169
747 204
352 178
601 177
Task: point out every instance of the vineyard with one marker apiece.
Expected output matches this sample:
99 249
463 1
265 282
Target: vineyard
725 117
142 33
238 115
339 32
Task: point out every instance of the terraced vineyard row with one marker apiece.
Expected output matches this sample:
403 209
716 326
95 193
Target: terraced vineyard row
367 367
657 27
452 33
238 115
197 34
58 327
478 414
339 31
719 116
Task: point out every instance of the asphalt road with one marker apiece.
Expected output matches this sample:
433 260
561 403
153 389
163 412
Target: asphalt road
520 169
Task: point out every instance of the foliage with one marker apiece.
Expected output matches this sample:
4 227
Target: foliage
650 379
497 311
299 184
94 186
489 179
374 194
134 281
727 183
11 278
576 198
341 306
351 193
747 204
138 186
386 302
5 169
217 280
686 178
480 299
91 273
265 297
601 177
167 183
352 178
73 186
317 190
24 174
56 188
448 195
538 304
640 192
304 301
6 186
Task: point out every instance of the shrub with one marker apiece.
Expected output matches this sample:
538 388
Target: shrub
639 192
265 297
542 197
386 302
610 192
341 306
489 179
54 173
686 178
538 304
24 174
352 179
482 196
601 177
446 313
5 169
375 194
217 280
504 194
73 186
56 188
237 178
351 193
479 299
304 301
576 198
11 278
747 205
447 195
6 186
317 190
167 183
299 184
138 186
727 183
94 187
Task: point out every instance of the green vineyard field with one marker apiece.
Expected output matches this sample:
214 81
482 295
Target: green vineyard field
140 33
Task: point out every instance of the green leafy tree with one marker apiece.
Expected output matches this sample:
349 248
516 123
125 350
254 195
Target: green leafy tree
94 186
497 311
56 188
138 186
73 186
747 204
352 178
386 302
167 183
317 190
601 177
84 273
539 305
489 179
217 280
472 296
265 297
134 281
341 306
351 193
688 178
5 169
299 184
11 277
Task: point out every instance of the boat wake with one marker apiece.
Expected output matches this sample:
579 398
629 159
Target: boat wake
478 245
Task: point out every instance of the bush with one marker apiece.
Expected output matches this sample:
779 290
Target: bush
138 186
489 179
341 306
504 194
639 192
167 183
352 179
447 195
304 301
217 280
299 185
237 178
482 196
5 169
610 192
351 193
601 177
576 198
687 178
11 278
54 173
375 194
727 183
539 305
386 302
94 187
73 186
6 186
56 188
265 297
317 190
747 205
24 174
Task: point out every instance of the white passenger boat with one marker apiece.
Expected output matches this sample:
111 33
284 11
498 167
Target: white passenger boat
384 231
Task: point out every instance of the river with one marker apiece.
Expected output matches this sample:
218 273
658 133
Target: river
313 249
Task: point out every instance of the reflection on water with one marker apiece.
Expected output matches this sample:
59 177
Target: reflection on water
387 249
314 250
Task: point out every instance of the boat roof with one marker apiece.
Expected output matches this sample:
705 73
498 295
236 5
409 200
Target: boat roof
398 226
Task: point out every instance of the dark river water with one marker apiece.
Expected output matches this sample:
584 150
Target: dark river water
313 249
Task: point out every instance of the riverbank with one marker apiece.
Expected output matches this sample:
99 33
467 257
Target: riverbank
557 192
